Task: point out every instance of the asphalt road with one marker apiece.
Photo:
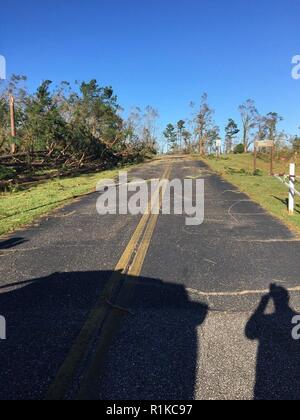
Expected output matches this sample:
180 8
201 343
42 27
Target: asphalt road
184 312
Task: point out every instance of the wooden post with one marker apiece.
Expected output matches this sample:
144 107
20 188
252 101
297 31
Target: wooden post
12 123
292 188
272 161
255 159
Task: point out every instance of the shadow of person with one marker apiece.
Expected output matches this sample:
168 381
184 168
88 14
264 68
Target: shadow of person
278 358
154 353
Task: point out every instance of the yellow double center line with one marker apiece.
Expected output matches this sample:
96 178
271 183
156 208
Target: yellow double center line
130 263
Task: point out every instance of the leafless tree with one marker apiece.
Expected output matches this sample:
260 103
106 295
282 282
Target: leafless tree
204 120
249 115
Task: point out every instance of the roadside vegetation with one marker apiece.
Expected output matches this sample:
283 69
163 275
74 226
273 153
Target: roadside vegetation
67 130
65 137
23 207
62 140
261 187
199 133
229 151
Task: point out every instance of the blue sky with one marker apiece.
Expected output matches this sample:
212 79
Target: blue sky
164 53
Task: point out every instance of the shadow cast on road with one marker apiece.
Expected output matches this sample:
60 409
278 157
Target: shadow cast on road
278 358
45 315
285 202
154 355
11 243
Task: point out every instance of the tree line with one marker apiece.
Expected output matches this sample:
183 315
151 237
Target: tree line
200 133
79 123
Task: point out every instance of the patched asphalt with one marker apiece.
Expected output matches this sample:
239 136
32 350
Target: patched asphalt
194 329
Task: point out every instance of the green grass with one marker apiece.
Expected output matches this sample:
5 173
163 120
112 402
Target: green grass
264 189
21 208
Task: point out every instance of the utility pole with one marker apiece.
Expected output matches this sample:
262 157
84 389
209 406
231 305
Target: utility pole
12 123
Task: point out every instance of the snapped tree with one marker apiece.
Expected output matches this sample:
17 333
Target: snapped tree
204 123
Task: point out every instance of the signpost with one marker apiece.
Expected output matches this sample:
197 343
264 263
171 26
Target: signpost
265 144
272 161
255 159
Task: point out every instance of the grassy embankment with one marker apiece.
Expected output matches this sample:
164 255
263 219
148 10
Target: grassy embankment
20 208
264 189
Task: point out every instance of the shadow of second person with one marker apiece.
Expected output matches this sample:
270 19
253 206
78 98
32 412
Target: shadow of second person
278 358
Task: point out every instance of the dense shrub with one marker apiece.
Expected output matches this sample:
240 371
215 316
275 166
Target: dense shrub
239 149
6 173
